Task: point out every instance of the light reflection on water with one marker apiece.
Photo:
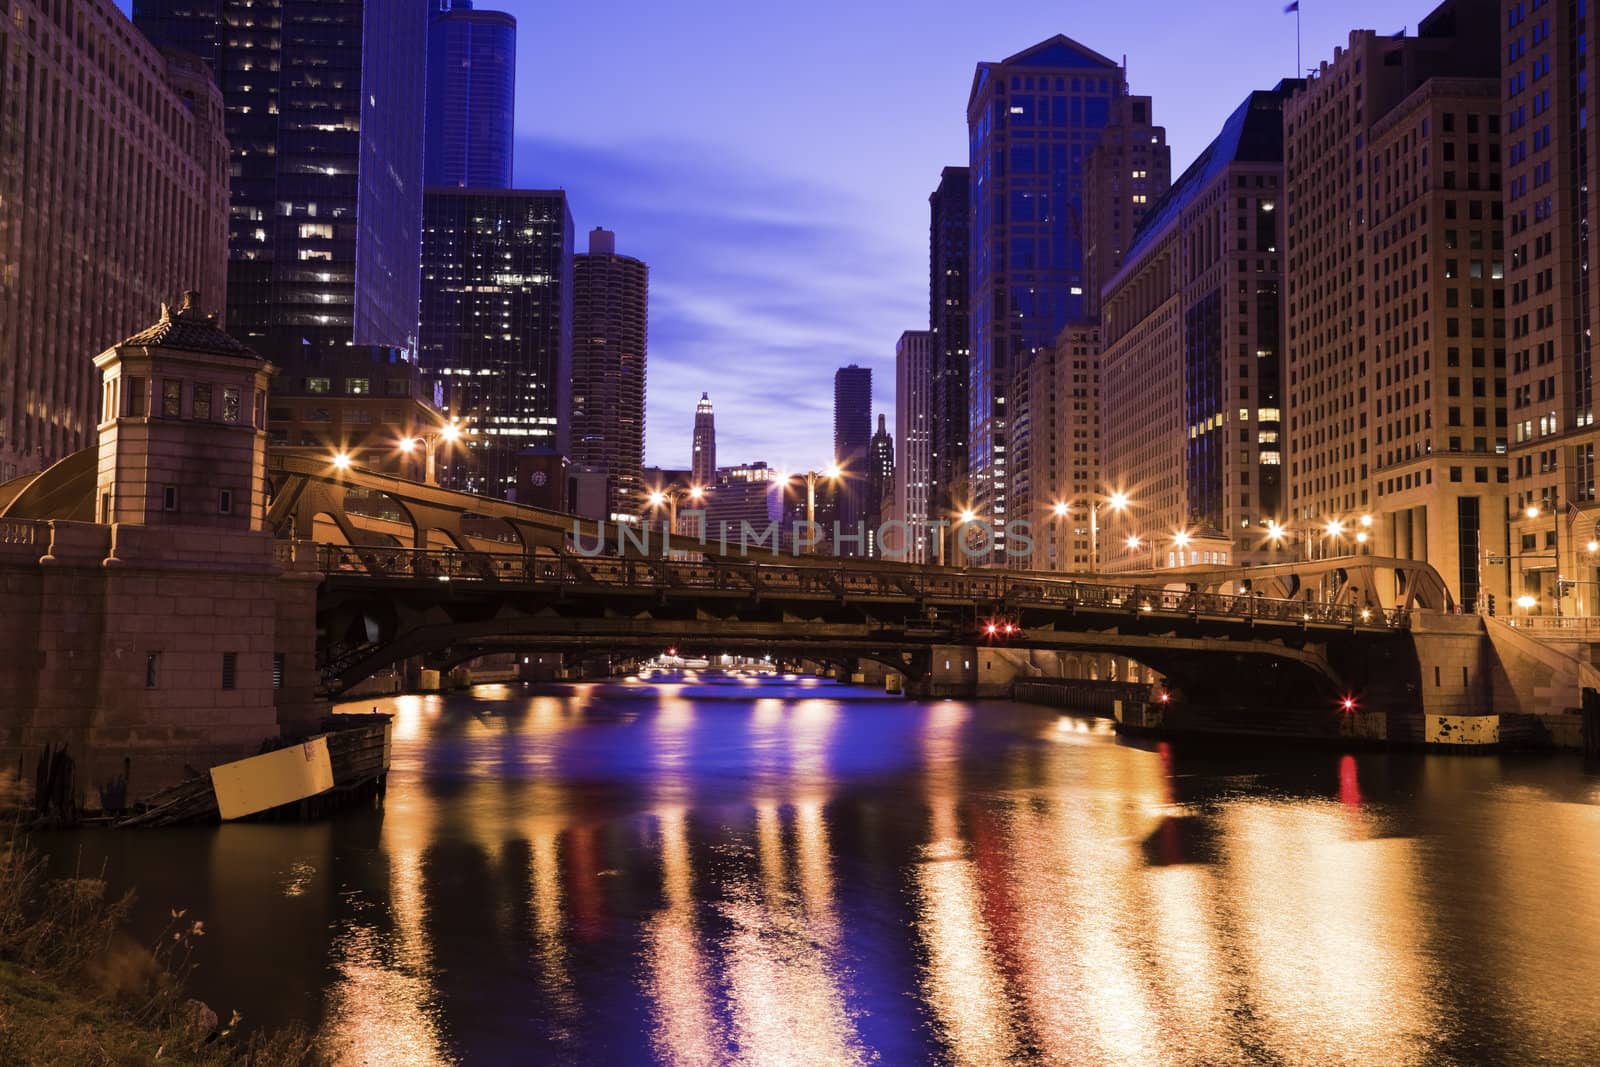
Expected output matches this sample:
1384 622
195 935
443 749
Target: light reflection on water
701 870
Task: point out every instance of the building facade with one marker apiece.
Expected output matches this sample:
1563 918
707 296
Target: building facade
371 405
324 118
472 87
1129 169
950 345
501 257
1064 458
1437 407
610 337
1551 291
852 440
1192 355
113 199
879 499
703 445
1032 120
913 444
1396 427
1327 125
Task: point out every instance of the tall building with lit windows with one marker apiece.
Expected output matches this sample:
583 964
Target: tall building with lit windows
1065 453
1552 292
1327 128
324 117
497 325
913 440
472 88
1191 357
950 340
1032 120
113 201
1394 276
703 463
1129 170
610 333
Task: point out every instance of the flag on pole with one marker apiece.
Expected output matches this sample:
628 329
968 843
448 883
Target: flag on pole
1292 8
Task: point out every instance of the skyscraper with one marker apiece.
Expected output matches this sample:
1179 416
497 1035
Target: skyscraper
1032 120
1396 329
879 483
950 343
472 82
610 303
502 257
1552 288
1129 170
913 417
1192 361
703 464
852 437
113 200
324 123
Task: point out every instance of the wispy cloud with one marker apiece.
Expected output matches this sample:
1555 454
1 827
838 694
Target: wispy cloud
761 286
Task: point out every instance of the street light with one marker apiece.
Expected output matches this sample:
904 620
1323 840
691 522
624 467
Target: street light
670 497
341 460
1117 501
833 472
449 433
1555 525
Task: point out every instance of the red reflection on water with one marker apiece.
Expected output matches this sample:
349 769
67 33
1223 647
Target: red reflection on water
583 876
1349 784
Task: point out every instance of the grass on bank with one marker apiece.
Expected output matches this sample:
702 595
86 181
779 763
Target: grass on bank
76 988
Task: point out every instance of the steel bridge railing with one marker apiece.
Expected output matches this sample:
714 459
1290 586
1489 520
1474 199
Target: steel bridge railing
1008 590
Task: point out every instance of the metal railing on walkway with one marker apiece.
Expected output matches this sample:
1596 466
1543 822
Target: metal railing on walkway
841 579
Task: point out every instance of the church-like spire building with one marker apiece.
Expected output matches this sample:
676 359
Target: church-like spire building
703 467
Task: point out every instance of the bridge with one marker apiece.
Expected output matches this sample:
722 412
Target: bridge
182 590
422 572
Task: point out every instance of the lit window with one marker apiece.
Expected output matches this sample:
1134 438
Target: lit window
317 229
318 385
357 386
230 403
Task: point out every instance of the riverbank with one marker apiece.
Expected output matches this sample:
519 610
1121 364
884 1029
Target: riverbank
76 988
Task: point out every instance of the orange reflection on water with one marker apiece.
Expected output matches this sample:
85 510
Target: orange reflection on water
962 981
1328 943
384 1006
785 994
1077 879
686 1029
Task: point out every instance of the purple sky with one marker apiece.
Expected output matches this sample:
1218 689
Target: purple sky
772 164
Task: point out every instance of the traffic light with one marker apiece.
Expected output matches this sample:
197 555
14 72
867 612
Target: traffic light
1491 605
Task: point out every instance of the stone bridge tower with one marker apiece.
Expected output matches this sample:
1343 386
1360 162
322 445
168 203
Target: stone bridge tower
154 623
183 436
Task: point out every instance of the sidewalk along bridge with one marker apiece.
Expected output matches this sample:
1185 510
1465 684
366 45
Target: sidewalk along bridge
380 604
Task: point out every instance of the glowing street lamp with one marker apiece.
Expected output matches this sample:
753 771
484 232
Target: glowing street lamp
449 433
670 498
341 460
1133 542
1117 501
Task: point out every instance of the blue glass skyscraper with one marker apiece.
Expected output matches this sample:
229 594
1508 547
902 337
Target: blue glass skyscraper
324 124
472 82
1032 120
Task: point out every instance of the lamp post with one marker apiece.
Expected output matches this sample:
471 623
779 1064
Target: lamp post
669 498
1116 502
831 473
1555 526
449 433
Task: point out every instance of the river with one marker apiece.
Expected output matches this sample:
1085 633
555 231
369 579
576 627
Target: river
707 869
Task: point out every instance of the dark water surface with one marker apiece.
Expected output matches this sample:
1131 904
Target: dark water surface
705 870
